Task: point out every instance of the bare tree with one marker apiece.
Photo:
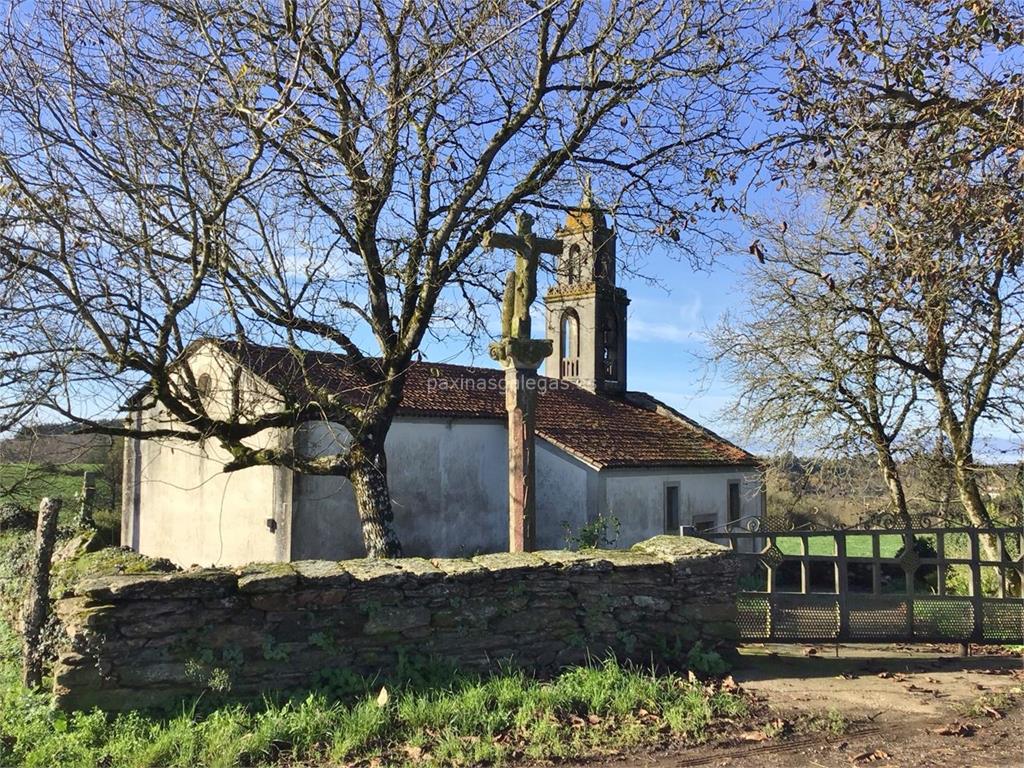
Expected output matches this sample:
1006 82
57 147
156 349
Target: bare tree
907 114
319 175
810 359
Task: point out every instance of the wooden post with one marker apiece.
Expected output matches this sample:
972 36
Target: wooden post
842 585
88 499
37 601
977 601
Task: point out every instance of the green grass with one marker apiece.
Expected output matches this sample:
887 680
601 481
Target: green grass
26 484
856 546
584 711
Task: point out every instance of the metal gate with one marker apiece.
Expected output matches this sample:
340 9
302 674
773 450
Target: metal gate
870 585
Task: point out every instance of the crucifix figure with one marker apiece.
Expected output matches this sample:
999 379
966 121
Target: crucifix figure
520 356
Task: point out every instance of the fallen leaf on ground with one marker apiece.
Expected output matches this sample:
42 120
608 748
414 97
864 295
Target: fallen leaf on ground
413 753
992 712
957 729
753 735
730 685
871 756
593 719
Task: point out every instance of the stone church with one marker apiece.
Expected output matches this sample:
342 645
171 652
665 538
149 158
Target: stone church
601 449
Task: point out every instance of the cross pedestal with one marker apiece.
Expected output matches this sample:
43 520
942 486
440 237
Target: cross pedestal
520 358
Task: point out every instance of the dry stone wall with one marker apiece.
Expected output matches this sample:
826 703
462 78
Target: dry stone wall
155 639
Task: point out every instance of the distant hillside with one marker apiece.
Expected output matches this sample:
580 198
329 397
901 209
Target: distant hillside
56 443
843 491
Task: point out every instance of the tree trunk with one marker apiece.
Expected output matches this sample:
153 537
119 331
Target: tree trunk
974 505
37 602
891 475
961 446
373 501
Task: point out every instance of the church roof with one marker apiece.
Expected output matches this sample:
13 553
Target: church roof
631 431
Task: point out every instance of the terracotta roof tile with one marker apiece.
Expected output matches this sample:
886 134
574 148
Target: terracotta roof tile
631 431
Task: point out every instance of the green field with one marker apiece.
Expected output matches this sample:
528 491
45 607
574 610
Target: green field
26 484
856 546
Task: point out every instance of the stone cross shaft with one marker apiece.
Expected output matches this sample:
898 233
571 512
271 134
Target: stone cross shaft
520 356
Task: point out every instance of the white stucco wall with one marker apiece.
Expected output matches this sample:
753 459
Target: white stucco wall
637 498
191 512
449 488
178 502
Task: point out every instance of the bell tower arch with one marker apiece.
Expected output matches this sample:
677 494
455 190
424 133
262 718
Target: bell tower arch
586 311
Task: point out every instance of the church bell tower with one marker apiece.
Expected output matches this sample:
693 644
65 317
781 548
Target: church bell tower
586 312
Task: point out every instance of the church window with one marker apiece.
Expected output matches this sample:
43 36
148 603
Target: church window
572 265
570 345
570 336
204 385
610 346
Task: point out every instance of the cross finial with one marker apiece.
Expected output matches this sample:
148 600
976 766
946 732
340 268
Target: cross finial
588 191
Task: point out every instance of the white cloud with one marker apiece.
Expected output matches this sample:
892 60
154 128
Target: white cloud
644 330
666 321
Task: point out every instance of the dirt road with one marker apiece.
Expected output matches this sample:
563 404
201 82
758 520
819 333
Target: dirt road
883 706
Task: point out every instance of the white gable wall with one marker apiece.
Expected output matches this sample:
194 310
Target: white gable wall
188 510
179 504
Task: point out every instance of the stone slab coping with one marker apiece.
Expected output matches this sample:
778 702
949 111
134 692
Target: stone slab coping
213 583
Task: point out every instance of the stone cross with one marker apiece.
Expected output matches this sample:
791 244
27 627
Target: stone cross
520 356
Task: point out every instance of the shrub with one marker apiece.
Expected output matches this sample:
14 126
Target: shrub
16 517
602 531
